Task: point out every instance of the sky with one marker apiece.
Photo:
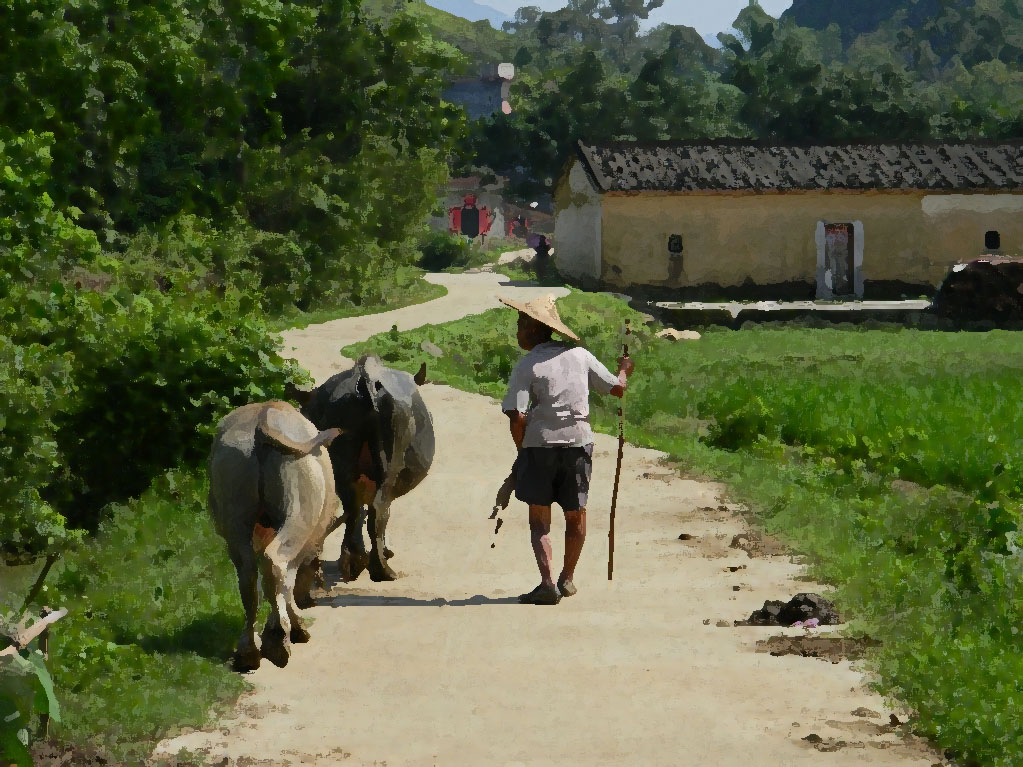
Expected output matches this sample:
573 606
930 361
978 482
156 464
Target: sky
707 16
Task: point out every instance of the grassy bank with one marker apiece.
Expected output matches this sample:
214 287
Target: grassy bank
153 616
890 457
406 289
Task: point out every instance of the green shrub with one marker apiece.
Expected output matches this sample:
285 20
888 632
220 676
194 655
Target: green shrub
442 249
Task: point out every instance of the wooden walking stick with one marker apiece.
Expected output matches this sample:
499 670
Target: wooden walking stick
618 468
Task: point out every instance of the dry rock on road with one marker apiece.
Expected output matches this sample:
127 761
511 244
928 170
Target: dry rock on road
444 667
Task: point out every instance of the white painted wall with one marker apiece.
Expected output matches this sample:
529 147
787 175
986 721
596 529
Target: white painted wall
940 204
577 227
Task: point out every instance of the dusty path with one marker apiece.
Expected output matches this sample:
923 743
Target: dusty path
443 667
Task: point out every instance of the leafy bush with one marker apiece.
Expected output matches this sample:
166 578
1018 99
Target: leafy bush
26 691
443 249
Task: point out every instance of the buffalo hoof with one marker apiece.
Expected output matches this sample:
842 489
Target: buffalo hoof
299 635
247 660
277 653
379 570
304 602
388 553
351 564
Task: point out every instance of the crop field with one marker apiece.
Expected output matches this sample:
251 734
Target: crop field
889 457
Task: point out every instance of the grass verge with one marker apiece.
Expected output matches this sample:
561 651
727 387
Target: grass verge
408 288
153 616
887 456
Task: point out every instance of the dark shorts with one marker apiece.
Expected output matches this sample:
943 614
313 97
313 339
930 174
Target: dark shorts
548 475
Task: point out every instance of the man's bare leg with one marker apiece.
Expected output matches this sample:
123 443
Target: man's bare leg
575 536
540 535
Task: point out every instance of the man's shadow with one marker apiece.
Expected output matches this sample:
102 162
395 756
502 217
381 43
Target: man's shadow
332 580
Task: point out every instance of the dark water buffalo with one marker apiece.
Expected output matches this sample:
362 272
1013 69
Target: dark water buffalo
385 450
272 499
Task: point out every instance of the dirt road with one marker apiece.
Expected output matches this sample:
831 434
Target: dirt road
443 667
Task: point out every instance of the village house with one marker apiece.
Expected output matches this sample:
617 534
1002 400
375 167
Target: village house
730 219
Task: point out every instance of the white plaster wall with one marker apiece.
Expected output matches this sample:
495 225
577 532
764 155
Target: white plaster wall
941 204
577 226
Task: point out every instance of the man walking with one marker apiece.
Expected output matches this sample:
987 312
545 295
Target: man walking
548 410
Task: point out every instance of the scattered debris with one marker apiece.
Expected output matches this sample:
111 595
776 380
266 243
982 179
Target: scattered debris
431 348
735 568
866 712
671 334
722 624
663 477
828 648
800 608
755 543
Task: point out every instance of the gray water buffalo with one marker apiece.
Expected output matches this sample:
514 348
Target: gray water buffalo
272 499
385 450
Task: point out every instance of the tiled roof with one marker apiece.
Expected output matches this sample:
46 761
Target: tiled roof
731 165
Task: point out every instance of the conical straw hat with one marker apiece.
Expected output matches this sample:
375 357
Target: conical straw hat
543 310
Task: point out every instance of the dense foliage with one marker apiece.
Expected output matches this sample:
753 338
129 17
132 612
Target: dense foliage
170 172
889 456
585 72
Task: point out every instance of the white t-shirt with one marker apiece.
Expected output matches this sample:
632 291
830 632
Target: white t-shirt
551 385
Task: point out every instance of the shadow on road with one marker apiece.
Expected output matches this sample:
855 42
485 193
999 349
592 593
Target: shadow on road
380 600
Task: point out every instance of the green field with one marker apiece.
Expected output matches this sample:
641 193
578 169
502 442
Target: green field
888 456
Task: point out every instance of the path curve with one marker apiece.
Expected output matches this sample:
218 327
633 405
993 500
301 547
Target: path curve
443 667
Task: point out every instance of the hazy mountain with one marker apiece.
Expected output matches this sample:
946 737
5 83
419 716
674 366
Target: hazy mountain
473 11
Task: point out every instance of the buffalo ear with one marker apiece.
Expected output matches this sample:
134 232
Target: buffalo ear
300 396
420 377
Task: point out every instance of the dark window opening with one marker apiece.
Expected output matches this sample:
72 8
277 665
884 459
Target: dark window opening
992 240
675 243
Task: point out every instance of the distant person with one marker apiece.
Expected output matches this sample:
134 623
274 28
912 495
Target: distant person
543 257
518 227
470 218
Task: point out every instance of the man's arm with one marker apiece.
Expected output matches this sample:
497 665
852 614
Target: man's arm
517 425
604 382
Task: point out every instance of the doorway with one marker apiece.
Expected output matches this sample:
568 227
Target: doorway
838 258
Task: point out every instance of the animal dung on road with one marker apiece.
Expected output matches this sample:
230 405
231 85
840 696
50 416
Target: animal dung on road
799 609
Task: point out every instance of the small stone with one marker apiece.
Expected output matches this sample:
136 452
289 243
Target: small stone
735 588
722 624
813 738
671 334
431 348
685 537
863 711
706 621
795 724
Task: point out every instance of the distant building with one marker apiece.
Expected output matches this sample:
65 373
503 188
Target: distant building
479 97
732 219
483 95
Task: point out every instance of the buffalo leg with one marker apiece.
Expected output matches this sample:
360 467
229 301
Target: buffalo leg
246 655
353 559
379 513
307 573
276 632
